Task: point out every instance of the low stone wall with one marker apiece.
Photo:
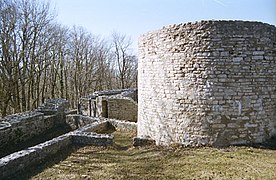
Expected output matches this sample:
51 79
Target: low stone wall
18 161
91 134
123 125
86 132
94 139
76 121
21 127
96 124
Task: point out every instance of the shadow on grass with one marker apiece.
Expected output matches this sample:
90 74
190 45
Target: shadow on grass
269 144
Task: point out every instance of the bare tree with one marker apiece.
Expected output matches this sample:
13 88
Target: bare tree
40 59
82 60
8 57
126 63
22 25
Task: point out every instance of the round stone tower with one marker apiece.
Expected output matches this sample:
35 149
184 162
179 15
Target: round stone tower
208 83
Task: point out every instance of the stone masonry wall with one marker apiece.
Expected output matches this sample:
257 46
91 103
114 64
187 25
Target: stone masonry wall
21 127
19 161
122 108
116 104
87 131
208 82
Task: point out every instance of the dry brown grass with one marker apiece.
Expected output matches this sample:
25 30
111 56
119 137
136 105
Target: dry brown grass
122 161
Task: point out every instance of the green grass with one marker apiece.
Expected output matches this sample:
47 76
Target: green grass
122 161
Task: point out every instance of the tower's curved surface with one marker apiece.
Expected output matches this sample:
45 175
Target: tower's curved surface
208 83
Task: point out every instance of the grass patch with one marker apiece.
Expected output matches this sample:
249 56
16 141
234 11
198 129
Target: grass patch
122 161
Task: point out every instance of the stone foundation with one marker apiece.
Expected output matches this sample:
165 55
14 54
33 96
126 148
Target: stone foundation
86 132
20 160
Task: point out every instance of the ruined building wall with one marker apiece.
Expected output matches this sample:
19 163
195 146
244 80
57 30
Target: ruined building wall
122 108
115 104
209 82
19 128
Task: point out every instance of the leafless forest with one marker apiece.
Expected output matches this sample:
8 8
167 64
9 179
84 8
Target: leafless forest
42 59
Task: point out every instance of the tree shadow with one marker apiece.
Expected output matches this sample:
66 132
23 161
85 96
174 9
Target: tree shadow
268 144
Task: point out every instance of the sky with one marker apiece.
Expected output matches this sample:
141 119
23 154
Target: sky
136 17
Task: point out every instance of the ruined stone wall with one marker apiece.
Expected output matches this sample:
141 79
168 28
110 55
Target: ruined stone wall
87 131
19 161
122 108
208 82
121 125
76 121
21 127
116 104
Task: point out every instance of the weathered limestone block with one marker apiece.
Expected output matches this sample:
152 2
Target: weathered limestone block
20 127
18 161
142 142
89 138
57 107
76 121
208 82
54 106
